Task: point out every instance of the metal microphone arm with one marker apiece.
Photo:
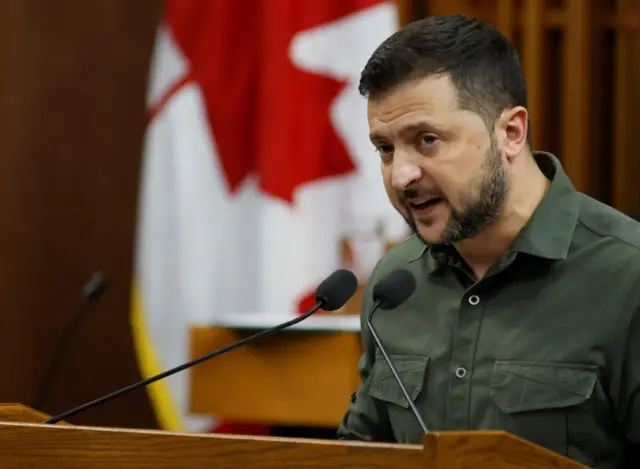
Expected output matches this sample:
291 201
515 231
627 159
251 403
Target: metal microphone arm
393 368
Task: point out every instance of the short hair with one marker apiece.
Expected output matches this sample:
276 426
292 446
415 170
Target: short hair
481 62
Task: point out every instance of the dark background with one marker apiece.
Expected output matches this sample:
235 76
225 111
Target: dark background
72 114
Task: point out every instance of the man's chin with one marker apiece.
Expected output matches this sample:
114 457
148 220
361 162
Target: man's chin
431 234
430 239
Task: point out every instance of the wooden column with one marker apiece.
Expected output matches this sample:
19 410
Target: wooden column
626 155
506 18
533 42
576 154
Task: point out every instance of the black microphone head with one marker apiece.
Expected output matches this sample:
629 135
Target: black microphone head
95 286
394 289
336 289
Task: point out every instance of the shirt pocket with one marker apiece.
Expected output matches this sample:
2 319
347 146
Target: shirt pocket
382 386
543 402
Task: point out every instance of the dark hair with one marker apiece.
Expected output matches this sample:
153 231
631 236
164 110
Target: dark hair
482 63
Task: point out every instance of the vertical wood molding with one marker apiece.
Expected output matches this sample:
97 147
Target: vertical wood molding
533 40
626 169
576 154
506 18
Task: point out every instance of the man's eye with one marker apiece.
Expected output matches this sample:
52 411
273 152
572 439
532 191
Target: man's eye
428 140
384 149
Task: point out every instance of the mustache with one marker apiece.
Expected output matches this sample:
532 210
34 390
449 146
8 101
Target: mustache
418 193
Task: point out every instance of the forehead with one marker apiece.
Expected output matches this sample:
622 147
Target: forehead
430 99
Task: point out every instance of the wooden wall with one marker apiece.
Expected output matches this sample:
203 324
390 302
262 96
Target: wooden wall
73 78
582 63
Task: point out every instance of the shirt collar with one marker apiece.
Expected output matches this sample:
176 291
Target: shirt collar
549 231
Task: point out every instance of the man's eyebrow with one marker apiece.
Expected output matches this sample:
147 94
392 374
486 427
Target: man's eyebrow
409 128
375 137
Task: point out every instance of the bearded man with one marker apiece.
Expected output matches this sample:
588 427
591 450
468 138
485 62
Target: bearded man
526 316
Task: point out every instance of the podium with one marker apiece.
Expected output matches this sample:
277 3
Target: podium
26 443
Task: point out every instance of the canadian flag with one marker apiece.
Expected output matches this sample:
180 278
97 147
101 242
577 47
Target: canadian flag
256 169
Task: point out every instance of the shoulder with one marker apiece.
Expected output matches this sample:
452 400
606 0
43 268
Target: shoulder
610 229
611 240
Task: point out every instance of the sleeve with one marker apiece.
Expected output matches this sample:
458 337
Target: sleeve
366 419
624 385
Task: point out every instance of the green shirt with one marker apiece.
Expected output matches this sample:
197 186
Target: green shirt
546 346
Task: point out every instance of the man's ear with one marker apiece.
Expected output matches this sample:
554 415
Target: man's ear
513 124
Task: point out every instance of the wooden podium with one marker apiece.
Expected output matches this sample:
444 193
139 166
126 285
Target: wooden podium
26 443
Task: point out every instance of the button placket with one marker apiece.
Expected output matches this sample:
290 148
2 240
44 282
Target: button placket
462 361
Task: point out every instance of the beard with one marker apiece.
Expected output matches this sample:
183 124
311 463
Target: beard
484 202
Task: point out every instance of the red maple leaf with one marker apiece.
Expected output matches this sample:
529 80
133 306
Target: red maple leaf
268 117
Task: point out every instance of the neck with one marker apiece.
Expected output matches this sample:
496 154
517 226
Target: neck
483 251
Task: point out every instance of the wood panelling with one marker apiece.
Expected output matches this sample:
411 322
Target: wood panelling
580 59
72 113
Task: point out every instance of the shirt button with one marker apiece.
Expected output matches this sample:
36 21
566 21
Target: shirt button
461 372
474 300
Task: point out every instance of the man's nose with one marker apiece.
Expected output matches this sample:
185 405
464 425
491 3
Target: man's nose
404 172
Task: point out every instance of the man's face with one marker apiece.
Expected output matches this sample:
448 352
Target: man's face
442 169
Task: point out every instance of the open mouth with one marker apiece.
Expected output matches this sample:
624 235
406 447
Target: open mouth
425 204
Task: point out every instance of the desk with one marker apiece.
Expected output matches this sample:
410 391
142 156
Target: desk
299 377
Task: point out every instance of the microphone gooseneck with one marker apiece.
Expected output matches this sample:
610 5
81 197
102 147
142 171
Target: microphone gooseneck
92 291
389 293
331 294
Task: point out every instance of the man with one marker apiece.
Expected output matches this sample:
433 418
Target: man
526 317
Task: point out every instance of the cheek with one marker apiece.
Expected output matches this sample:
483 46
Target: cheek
388 185
392 194
456 176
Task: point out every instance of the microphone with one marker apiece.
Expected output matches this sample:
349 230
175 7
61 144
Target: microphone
389 293
331 294
92 290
